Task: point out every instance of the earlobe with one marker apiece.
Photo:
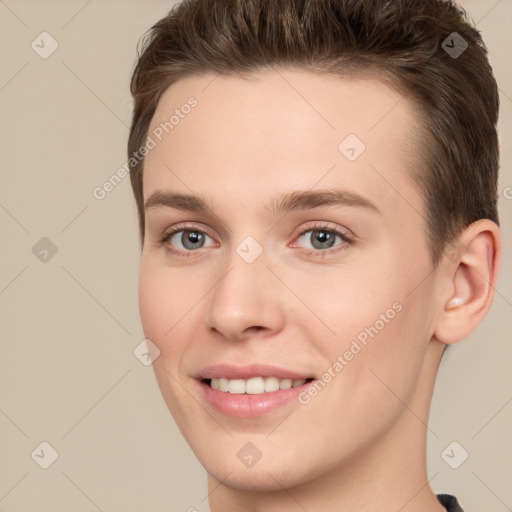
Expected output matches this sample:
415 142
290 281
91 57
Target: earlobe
472 279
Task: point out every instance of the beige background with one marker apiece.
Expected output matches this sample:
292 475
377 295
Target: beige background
69 326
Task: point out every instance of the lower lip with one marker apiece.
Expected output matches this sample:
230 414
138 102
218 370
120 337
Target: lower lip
248 406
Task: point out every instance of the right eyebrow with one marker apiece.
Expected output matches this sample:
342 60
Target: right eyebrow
183 202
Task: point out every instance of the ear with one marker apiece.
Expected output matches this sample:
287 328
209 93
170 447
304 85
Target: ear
472 266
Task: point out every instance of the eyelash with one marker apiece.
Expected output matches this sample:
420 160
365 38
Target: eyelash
348 240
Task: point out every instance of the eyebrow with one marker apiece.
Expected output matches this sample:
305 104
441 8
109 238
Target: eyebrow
287 202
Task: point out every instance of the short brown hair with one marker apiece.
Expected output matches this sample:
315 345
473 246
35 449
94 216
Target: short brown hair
405 41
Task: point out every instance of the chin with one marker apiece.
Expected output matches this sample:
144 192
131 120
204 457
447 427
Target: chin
262 479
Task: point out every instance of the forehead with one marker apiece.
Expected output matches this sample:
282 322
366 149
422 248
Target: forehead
280 131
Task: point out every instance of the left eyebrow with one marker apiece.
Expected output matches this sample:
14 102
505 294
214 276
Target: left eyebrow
309 199
292 201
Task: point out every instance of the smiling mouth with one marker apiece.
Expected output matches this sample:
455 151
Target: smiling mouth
254 385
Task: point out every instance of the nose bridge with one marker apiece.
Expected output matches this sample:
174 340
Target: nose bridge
245 296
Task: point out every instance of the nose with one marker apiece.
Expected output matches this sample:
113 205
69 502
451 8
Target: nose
245 301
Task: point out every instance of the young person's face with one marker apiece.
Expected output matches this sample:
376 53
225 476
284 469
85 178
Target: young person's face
365 299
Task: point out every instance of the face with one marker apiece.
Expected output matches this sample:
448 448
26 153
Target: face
308 260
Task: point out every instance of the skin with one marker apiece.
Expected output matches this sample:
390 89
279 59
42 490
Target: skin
366 430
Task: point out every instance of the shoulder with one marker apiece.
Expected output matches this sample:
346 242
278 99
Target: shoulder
449 502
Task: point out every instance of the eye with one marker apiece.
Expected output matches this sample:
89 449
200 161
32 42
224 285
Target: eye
190 240
323 238
187 241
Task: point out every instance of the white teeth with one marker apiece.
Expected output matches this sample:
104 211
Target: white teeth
271 384
237 386
223 384
254 385
285 384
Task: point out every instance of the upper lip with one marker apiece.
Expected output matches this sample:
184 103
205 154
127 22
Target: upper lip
229 371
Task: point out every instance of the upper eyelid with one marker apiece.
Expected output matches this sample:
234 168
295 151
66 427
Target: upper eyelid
176 229
316 225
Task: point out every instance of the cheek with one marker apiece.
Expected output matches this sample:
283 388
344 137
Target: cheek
385 373
160 303
151 306
375 325
161 306
343 304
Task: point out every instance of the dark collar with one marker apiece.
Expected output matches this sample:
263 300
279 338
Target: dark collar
449 502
